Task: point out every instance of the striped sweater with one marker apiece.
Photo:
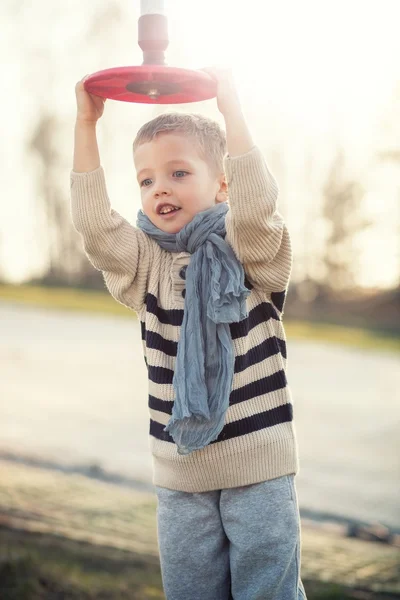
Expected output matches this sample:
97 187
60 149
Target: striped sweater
258 441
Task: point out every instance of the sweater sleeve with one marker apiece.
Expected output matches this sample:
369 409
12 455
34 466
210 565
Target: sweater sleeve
122 252
254 227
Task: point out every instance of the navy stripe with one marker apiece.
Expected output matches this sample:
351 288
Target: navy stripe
263 386
272 383
164 406
266 385
269 347
143 330
157 431
259 314
282 347
160 374
168 317
157 342
278 299
269 418
247 283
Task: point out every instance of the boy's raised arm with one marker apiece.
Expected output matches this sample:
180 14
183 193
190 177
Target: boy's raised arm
86 150
255 229
121 251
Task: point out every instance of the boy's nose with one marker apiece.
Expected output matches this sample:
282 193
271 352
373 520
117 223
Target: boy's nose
161 191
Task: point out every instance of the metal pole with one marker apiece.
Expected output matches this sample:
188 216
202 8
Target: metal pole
151 7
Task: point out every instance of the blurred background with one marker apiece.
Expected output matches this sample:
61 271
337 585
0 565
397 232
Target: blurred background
320 88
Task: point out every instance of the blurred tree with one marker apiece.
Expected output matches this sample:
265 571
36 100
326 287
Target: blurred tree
66 261
391 154
2 278
342 211
12 7
104 23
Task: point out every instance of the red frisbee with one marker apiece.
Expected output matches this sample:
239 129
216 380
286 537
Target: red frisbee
152 84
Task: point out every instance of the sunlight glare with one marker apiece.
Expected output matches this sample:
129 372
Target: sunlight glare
320 60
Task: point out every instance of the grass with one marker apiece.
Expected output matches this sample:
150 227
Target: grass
41 566
102 303
64 299
44 567
356 337
66 536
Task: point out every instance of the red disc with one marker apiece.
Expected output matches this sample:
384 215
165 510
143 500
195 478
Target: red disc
152 84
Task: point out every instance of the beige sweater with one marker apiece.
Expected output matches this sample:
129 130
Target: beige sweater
258 441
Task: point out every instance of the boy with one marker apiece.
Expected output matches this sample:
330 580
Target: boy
208 282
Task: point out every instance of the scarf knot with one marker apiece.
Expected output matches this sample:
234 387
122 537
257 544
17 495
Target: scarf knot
215 296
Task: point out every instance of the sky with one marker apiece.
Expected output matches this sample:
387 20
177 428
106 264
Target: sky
312 76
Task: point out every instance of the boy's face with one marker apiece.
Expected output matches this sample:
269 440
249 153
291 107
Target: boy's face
172 175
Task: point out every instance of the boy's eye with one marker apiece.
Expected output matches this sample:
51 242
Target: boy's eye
177 174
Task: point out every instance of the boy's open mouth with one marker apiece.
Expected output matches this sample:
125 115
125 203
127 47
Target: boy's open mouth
167 209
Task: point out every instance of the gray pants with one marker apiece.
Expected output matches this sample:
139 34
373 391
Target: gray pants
242 543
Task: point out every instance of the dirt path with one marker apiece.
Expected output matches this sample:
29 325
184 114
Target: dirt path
73 389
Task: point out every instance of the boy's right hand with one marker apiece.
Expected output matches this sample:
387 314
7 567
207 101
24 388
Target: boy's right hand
89 107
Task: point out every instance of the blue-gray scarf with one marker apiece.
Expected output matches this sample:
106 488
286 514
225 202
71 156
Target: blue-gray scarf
215 296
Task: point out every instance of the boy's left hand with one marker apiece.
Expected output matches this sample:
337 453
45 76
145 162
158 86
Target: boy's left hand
227 96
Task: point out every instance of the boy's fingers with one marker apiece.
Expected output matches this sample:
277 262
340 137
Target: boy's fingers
210 72
82 81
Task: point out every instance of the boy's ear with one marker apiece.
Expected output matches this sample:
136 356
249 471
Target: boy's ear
222 194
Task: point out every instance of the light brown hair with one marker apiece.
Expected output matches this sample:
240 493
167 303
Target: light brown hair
206 133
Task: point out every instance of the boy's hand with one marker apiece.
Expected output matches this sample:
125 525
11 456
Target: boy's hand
238 137
89 107
227 96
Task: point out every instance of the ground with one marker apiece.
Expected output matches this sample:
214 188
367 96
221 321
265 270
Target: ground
69 536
